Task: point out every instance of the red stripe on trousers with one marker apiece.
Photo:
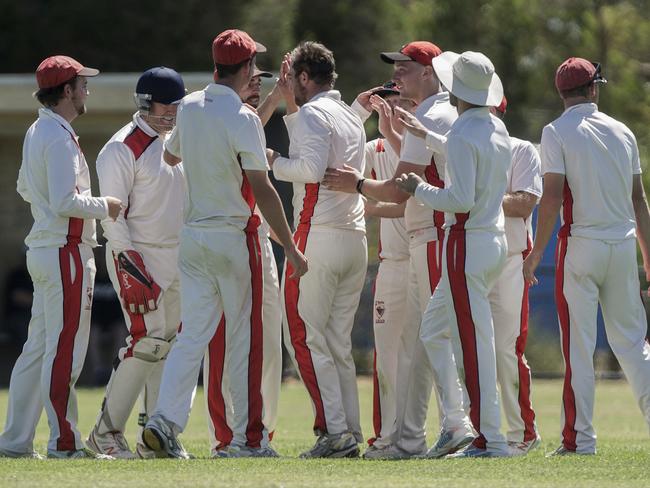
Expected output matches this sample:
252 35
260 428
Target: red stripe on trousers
60 381
297 327
216 401
255 426
568 395
525 407
376 401
456 255
138 327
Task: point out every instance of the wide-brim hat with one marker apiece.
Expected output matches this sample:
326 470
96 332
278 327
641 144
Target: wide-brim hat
469 76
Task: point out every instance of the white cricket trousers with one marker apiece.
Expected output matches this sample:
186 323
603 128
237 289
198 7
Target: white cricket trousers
217 385
390 296
131 375
221 273
589 271
319 313
472 263
416 371
509 305
55 350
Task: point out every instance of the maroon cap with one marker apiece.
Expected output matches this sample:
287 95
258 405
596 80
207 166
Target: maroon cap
56 70
576 72
234 46
419 51
503 105
262 74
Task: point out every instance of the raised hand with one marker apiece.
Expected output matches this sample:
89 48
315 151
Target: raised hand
408 183
411 123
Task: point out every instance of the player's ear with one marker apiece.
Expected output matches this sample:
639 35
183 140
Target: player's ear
303 78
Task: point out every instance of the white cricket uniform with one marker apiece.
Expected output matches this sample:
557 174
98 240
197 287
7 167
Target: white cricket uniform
216 384
424 227
596 260
55 180
479 156
131 167
319 307
390 295
218 139
509 301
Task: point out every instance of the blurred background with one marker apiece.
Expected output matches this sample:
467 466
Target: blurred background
526 40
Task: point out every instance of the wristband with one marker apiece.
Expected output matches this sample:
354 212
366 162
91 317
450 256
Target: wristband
360 185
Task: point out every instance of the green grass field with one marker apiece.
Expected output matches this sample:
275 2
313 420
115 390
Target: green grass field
623 453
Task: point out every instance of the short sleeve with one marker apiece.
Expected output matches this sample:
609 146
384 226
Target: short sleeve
552 154
526 170
250 144
415 150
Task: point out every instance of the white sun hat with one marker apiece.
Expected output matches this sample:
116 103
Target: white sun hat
469 76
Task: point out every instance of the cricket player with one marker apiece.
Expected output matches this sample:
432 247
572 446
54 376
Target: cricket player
478 159
216 383
221 144
509 295
415 375
330 229
391 283
592 171
142 254
55 180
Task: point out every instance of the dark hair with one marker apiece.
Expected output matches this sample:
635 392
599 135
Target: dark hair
49 97
580 91
228 70
316 60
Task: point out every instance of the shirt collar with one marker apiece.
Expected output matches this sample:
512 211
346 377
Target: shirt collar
47 112
146 128
217 89
583 108
334 94
475 112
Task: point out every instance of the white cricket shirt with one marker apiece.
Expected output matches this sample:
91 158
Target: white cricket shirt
131 167
381 161
479 155
437 115
598 156
524 175
55 180
324 133
217 137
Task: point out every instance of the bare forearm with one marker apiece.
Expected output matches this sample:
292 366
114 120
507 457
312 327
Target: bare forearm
269 204
395 140
384 191
642 216
549 209
267 107
518 204
386 210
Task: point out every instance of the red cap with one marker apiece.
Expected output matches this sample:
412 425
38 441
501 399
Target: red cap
419 51
503 105
234 46
56 70
576 72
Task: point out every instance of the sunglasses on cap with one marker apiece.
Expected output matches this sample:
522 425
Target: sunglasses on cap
598 77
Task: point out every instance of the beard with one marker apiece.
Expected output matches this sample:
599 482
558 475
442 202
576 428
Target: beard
253 100
300 95
79 106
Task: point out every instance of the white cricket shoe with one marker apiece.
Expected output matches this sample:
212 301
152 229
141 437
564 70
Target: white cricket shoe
111 443
20 455
523 448
472 451
143 452
83 453
449 442
333 446
159 436
563 451
388 453
232 451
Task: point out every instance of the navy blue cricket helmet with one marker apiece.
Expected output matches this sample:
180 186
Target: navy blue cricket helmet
160 84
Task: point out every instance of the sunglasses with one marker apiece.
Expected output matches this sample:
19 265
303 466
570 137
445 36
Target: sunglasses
598 77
